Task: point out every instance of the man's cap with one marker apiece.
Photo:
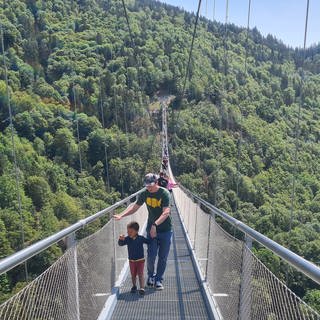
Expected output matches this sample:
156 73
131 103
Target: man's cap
150 180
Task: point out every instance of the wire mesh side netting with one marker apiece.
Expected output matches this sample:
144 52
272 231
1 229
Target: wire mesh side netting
264 296
240 284
100 261
78 284
47 297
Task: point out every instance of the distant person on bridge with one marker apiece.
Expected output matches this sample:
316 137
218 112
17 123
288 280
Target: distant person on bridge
162 180
171 184
165 164
159 227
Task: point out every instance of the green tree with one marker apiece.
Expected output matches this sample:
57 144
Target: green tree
66 208
65 146
312 298
38 190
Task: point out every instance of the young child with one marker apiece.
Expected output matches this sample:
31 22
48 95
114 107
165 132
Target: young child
136 254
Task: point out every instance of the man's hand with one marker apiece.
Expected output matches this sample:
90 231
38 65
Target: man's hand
130 210
117 217
122 237
153 232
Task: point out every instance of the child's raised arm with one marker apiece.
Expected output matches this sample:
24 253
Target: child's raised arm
122 240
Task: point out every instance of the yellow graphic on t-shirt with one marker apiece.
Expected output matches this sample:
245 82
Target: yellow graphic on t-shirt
154 203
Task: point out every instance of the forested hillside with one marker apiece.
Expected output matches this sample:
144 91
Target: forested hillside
68 65
74 70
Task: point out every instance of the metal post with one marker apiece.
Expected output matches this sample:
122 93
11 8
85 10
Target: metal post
208 247
73 281
248 241
114 247
195 226
245 284
188 222
184 209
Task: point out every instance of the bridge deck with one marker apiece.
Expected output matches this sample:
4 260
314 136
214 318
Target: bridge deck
181 298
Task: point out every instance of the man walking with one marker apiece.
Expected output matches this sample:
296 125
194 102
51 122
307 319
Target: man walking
159 227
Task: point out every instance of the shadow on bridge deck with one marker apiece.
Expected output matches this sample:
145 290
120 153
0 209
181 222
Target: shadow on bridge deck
182 297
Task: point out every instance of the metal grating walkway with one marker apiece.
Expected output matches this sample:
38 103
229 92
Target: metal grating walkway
181 298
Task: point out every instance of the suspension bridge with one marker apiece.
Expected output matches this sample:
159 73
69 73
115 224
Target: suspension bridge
211 274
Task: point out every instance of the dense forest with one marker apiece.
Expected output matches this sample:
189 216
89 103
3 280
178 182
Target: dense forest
82 94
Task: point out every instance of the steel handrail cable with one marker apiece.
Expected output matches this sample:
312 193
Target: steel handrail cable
23 255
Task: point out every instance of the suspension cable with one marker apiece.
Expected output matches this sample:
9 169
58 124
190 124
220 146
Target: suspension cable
297 128
136 56
225 40
206 12
191 49
119 143
124 104
104 130
118 138
218 149
139 63
241 115
128 23
13 149
124 107
189 60
247 39
77 123
125 11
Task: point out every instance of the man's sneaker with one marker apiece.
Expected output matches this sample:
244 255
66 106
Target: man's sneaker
150 282
159 285
133 289
141 292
